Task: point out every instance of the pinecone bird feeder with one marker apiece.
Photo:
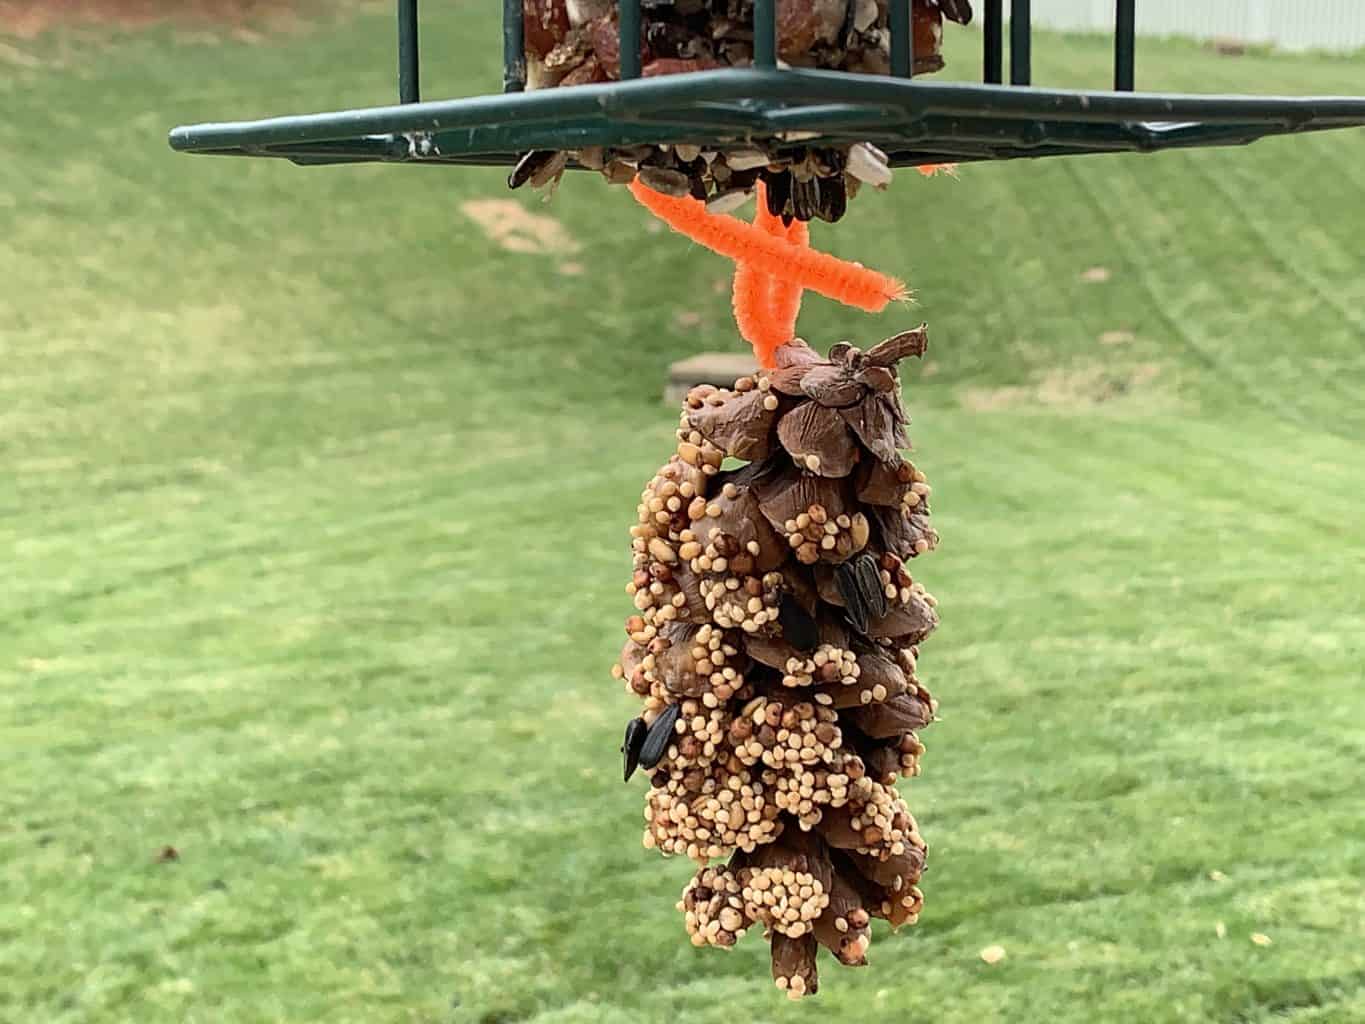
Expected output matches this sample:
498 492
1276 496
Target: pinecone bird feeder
775 644
775 647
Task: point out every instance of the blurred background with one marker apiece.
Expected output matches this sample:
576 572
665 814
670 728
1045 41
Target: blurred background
314 490
1328 25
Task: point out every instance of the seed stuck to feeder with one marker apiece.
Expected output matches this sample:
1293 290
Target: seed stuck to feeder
775 648
577 42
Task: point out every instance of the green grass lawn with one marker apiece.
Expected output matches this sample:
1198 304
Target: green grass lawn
313 515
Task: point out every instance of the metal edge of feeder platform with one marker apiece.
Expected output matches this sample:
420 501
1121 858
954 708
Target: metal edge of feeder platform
953 120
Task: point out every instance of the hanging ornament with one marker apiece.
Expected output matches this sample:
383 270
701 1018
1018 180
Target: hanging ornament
775 644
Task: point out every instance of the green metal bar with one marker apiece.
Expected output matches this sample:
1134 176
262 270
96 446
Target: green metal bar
630 39
1021 43
849 117
765 34
513 47
320 161
979 133
1141 139
740 123
902 40
614 106
1061 139
734 121
563 133
910 40
366 147
1155 137
980 144
955 139
993 43
409 60
1125 44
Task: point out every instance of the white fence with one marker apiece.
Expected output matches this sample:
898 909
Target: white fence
1291 24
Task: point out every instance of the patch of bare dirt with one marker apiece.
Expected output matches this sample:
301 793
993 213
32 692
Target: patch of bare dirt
27 19
517 229
16 57
1077 390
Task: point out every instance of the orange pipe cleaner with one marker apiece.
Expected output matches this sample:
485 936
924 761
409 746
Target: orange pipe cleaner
750 301
785 296
774 265
766 307
846 282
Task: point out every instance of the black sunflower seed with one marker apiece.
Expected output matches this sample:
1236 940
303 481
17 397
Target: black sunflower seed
870 585
660 733
806 198
798 628
779 191
635 739
959 11
744 179
666 181
855 607
667 40
833 200
528 165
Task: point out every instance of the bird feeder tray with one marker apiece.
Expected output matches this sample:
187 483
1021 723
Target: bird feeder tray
914 121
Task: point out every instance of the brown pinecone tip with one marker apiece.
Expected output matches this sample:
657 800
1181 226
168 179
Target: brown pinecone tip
914 342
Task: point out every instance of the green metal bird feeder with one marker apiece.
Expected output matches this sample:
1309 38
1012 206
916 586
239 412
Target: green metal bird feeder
914 122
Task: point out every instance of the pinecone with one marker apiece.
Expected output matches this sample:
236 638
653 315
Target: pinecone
577 42
775 648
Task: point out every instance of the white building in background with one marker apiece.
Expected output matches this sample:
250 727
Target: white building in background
1290 24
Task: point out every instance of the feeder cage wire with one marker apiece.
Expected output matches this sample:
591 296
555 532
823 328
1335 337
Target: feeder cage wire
915 122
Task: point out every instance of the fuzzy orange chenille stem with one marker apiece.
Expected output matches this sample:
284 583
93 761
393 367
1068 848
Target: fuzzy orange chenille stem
752 317
849 283
784 297
765 308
